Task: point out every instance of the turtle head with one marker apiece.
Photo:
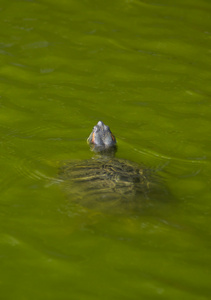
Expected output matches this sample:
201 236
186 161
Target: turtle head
101 139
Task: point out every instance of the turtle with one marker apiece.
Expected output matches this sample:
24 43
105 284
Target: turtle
105 180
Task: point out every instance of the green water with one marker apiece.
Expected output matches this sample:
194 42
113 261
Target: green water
142 67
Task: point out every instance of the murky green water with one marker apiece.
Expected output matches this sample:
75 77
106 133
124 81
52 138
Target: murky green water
142 67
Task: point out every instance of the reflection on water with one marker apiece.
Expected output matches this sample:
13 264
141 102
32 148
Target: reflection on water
143 68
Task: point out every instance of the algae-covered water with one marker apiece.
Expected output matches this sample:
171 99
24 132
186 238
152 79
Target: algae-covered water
143 68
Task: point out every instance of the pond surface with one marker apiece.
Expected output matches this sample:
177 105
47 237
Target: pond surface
143 68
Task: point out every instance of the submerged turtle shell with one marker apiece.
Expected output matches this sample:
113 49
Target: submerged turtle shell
110 180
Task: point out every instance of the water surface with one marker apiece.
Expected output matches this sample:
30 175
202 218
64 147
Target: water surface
142 67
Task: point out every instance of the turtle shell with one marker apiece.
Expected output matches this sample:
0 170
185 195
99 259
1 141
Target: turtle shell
110 180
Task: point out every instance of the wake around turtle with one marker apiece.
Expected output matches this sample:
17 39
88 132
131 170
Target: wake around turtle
107 181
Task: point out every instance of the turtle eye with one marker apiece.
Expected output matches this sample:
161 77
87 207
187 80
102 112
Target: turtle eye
95 128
